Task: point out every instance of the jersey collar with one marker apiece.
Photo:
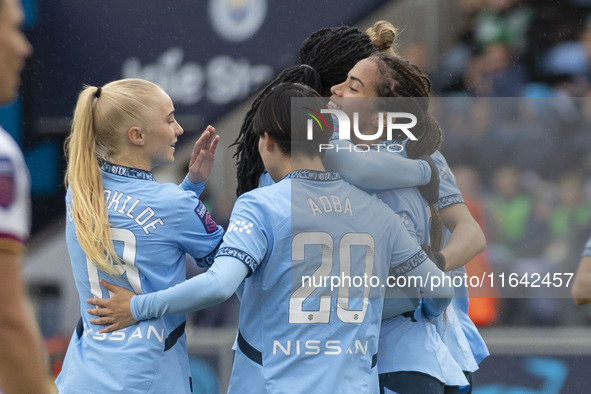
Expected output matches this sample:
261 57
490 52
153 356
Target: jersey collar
314 175
128 172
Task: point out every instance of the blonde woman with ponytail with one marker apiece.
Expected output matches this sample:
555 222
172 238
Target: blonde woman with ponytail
125 227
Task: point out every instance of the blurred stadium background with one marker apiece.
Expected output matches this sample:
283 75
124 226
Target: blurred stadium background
524 165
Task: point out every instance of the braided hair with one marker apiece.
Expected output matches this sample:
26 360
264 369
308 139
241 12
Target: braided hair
332 52
324 60
399 78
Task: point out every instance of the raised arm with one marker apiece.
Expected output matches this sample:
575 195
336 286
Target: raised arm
203 155
201 161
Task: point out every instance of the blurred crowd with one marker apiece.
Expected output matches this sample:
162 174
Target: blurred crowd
514 100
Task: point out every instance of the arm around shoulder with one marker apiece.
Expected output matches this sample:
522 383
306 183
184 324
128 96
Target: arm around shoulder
204 290
365 169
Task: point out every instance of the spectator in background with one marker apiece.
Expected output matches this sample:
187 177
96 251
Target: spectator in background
503 20
22 368
509 211
570 220
496 73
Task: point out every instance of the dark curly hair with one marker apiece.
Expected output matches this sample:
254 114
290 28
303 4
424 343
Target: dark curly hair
324 60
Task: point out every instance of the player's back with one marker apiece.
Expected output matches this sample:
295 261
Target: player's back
307 332
149 235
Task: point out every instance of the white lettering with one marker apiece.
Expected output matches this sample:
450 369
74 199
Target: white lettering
222 80
115 201
313 347
152 330
147 215
333 347
117 336
286 351
128 214
332 204
136 334
403 127
127 199
152 225
345 125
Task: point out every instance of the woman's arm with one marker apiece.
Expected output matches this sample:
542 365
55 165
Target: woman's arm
467 238
124 308
429 282
203 155
201 161
366 169
398 300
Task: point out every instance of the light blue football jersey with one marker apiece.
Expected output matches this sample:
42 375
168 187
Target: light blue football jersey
153 226
450 194
411 342
295 337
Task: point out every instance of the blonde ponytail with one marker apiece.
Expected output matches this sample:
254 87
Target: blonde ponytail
101 117
84 178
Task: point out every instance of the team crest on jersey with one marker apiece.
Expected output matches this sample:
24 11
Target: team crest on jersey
7 182
209 224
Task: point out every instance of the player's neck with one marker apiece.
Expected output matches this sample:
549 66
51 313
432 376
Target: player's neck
279 169
303 162
130 161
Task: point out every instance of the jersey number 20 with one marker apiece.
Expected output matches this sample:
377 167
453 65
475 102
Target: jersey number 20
322 315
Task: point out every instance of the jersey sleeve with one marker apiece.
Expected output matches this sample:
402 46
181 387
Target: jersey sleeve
14 196
209 288
189 186
247 237
411 261
406 249
195 232
366 169
449 192
409 206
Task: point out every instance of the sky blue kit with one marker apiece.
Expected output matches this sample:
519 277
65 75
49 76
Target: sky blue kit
153 226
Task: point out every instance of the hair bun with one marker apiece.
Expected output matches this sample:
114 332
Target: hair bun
382 35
